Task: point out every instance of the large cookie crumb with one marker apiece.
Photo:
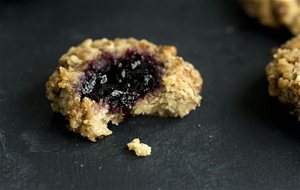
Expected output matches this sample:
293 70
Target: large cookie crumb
139 148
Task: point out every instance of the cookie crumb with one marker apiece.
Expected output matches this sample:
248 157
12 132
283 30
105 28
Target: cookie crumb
139 148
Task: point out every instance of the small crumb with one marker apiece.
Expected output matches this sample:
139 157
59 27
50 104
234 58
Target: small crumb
81 165
99 167
139 148
129 168
199 125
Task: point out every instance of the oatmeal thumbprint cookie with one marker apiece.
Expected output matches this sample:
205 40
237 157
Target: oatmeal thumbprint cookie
275 13
283 74
104 81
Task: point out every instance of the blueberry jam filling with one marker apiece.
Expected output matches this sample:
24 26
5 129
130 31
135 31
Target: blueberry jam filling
122 81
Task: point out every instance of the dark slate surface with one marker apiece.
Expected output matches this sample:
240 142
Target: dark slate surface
239 138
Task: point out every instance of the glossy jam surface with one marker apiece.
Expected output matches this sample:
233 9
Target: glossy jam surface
120 82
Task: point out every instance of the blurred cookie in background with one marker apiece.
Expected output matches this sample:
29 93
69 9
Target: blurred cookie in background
275 13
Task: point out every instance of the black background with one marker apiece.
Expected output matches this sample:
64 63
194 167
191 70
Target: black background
239 138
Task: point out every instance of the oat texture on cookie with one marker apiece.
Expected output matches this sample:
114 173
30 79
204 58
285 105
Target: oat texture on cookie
103 81
275 13
283 74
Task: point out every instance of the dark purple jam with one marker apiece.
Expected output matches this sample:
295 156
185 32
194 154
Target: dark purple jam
120 82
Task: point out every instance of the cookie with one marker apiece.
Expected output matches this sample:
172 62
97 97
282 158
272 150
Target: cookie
283 75
104 81
262 10
275 13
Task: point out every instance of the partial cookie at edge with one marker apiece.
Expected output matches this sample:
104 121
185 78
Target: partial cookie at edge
283 75
275 13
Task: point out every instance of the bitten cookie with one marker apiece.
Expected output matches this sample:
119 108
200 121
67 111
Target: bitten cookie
104 81
283 75
275 13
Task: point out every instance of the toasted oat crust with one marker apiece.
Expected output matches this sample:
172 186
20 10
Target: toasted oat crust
178 95
275 13
283 75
